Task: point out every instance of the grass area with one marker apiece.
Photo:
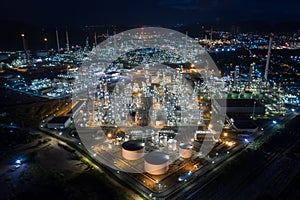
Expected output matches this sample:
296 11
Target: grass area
86 163
45 141
31 113
89 184
63 184
294 151
292 190
65 147
10 137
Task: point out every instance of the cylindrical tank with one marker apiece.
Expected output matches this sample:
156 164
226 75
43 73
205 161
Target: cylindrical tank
133 150
185 150
163 140
160 122
235 95
156 163
110 145
172 144
155 137
247 95
126 138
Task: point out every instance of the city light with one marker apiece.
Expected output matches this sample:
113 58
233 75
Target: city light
18 162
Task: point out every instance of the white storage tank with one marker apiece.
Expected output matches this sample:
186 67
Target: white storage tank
185 150
156 163
172 144
133 150
155 137
163 140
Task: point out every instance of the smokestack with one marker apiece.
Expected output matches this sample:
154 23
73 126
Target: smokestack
115 40
186 44
67 41
251 73
95 37
87 43
236 74
57 41
24 46
269 56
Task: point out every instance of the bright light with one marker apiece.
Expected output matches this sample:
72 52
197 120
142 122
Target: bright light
246 140
18 161
229 143
274 122
293 109
225 134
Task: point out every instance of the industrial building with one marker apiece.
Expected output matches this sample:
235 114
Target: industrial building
59 123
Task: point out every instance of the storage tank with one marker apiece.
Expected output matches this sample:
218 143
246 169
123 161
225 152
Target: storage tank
156 163
163 140
235 95
133 150
172 144
160 123
185 150
248 95
155 137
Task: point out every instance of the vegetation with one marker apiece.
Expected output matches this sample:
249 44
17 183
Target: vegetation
89 184
65 147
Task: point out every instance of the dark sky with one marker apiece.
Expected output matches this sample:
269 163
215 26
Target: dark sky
148 12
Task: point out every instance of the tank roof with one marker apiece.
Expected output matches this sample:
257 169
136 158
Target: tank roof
156 158
133 145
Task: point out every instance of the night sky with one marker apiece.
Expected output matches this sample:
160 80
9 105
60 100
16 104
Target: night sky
38 19
149 12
